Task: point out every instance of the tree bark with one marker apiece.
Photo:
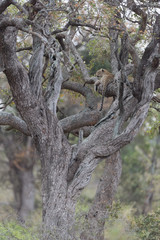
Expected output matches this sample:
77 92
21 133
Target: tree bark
58 207
99 210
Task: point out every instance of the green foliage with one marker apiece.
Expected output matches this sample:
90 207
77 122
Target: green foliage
148 227
96 55
14 231
152 122
121 224
136 174
13 9
126 226
4 93
115 209
133 185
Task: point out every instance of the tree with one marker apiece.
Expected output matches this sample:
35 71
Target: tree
21 157
54 27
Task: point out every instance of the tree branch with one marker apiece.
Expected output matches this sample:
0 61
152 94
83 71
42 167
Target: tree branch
21 9
79 60
68 124
101 142
94 153
16 22
84 118
14 122
138 85
24 48
77 23
4 4
143 23
16 74
91 99
20 24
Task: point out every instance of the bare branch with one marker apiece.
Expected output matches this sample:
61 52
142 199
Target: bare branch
77 23
156 99
68 124
146 61
14 122
4 4
16 74
86 131
129 132
79 60
88 165
101 142
114 48
151 5
16 22
84 118
143 23
42 38
135 56
24 48
20 24
21 9
91 99
6 103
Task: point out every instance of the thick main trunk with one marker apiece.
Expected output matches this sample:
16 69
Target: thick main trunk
58 215
58 207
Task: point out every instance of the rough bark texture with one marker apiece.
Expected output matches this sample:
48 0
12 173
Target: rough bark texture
66 169
107 187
